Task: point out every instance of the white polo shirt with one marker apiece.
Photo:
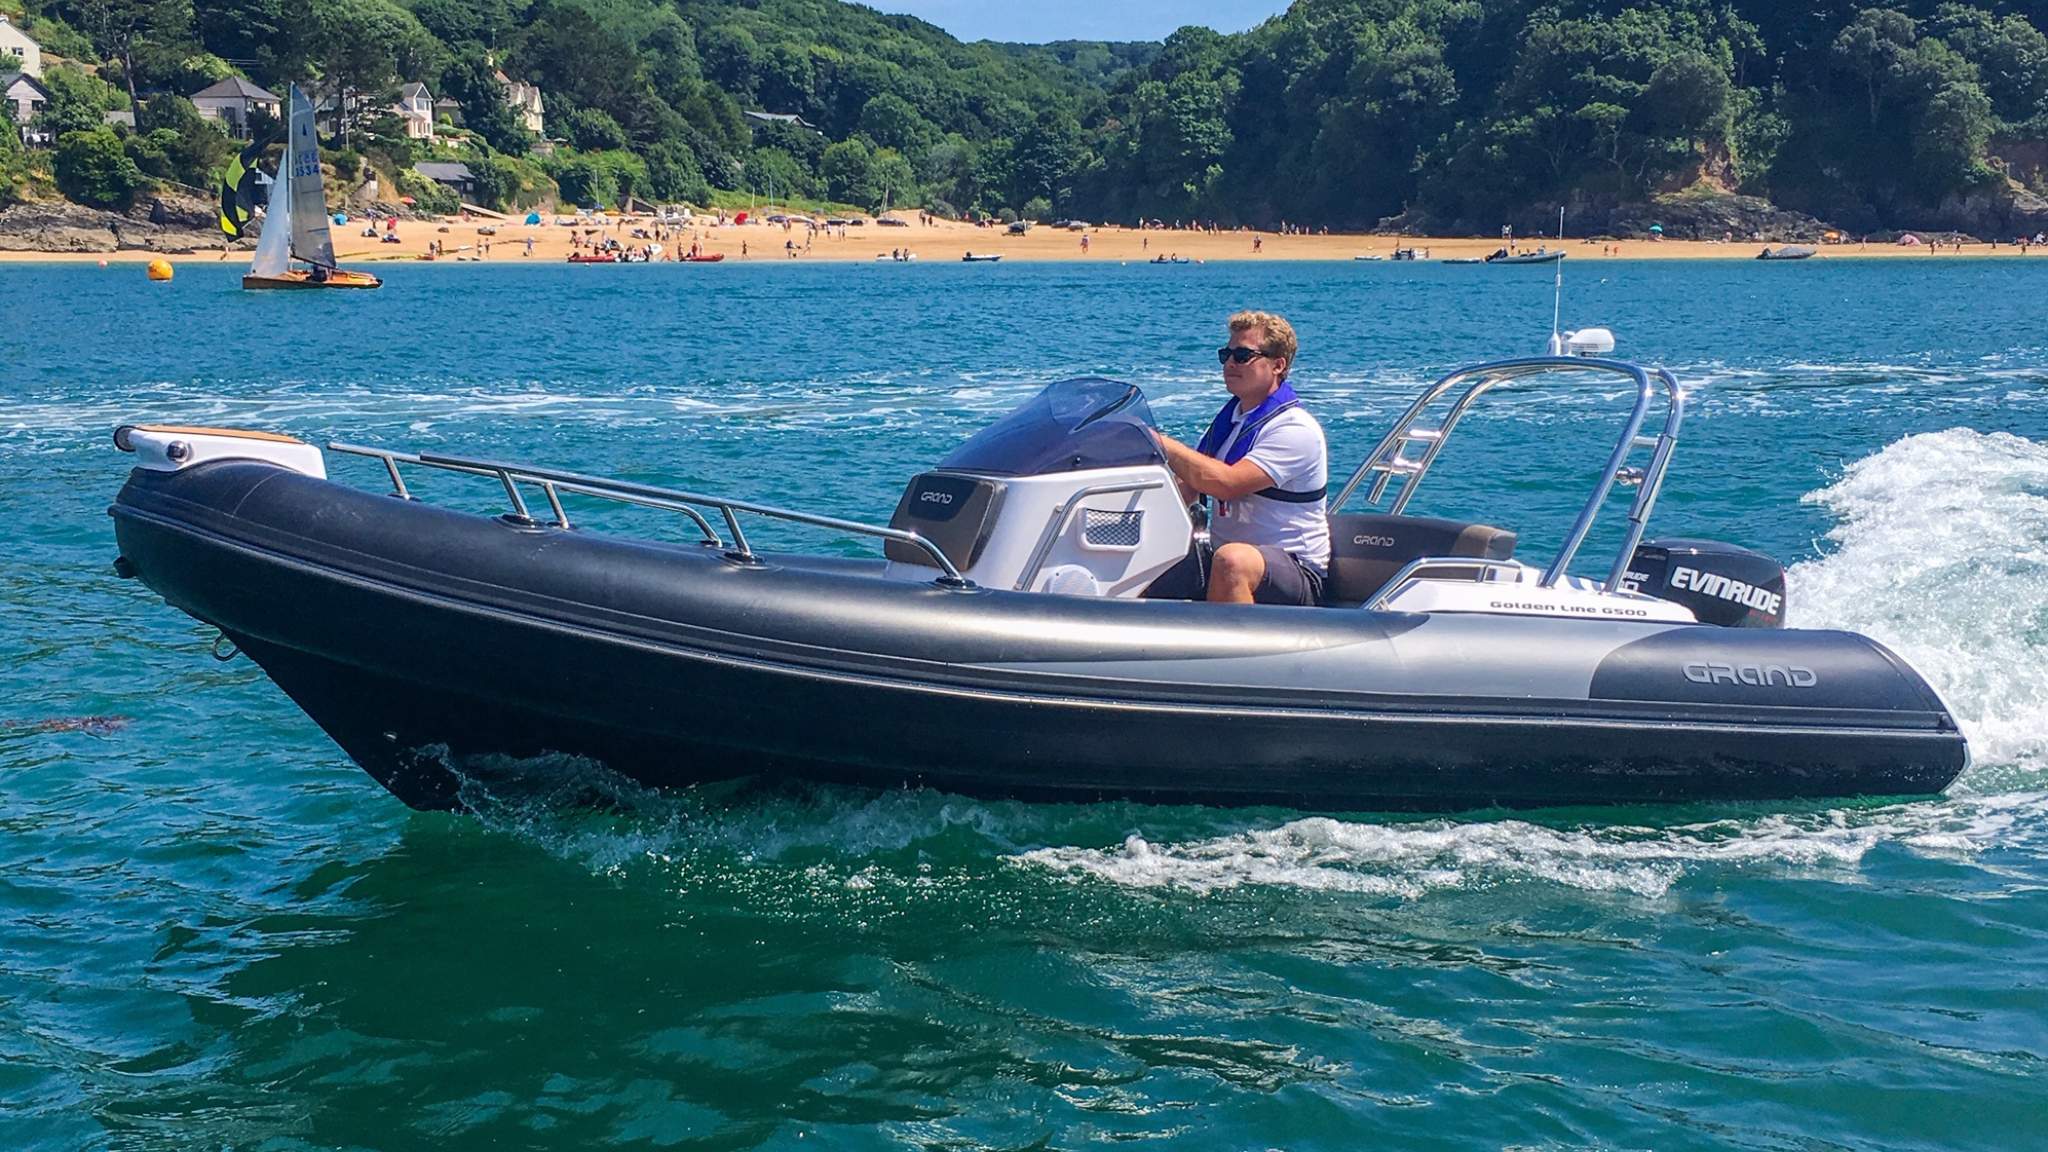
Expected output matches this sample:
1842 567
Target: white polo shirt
1292 450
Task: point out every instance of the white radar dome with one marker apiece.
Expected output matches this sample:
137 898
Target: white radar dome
1589 342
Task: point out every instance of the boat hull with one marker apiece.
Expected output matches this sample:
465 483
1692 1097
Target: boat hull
299 278
425 642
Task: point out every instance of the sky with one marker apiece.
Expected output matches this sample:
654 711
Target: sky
1036 21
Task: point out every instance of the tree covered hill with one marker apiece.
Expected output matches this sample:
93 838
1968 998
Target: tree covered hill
1459 114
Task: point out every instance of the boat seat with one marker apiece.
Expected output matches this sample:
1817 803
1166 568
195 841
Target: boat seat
1367 549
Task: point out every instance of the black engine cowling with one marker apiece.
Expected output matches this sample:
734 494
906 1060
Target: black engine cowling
1724 584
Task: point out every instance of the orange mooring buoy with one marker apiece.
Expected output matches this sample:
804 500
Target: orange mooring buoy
159 269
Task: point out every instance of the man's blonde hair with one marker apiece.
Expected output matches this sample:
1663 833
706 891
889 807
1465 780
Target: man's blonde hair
1279 342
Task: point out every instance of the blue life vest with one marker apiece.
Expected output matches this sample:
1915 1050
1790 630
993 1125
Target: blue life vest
1280 401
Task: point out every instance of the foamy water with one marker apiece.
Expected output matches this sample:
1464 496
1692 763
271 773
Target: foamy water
1940 551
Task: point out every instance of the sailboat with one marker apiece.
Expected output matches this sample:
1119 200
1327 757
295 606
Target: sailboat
296 228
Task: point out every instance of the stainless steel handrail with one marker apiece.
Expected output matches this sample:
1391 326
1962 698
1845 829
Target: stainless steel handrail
1065 516
392 459
1386 458
552 480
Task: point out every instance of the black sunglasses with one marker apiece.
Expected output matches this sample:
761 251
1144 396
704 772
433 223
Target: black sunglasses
1241 355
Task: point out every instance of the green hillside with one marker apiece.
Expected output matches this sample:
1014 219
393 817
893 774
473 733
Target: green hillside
1459 113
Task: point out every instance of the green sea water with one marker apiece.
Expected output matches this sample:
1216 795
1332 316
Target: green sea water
215 932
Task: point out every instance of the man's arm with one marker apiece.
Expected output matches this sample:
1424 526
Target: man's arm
1210 476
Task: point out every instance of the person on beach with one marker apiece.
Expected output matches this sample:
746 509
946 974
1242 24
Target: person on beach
1265 462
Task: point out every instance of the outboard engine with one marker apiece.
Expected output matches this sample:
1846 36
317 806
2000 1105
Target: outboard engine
1724 584
1068 493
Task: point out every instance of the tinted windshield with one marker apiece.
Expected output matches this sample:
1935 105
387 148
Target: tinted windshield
1070 426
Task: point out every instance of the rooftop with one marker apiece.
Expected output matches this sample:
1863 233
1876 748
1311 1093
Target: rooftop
9 79
779 118
234 87
444 170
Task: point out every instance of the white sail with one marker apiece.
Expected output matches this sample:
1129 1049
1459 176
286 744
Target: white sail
274 244
311 239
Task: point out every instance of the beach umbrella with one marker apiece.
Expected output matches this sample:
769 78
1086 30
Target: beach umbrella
740 219
533 217
1657 228
1909 239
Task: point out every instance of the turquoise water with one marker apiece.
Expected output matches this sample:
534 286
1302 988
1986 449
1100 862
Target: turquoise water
216 933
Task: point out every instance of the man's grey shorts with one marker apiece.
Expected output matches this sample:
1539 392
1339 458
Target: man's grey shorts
1287 580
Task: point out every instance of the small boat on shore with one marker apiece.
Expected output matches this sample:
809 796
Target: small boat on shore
703 257
296 228
593 258
1787 252
1001 643
971 258
1464 260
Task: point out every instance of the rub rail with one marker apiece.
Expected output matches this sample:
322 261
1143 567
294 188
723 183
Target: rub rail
553 482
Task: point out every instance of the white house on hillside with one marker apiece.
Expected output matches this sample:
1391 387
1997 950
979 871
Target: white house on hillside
525 100
234 100
416 108
18 53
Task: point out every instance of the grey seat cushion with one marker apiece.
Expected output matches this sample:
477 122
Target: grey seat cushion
1367 549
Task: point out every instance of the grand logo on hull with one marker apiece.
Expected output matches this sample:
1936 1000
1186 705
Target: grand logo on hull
1754 675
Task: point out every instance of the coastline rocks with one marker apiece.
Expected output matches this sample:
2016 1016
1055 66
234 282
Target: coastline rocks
2000 213
1744 218
170 224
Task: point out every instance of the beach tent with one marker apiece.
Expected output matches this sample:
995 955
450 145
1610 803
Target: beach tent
1909 240
533 217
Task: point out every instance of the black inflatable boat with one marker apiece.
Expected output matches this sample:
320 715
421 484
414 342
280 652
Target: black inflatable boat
1000 646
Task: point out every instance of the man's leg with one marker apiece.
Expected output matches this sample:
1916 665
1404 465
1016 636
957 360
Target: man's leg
1183 581
1235 574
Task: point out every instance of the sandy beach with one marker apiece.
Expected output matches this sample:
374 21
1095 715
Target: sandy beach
497 241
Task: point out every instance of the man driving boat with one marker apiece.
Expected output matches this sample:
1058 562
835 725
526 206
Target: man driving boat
1266 464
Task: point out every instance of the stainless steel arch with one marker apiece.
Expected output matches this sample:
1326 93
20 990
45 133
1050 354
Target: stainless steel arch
1387 458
